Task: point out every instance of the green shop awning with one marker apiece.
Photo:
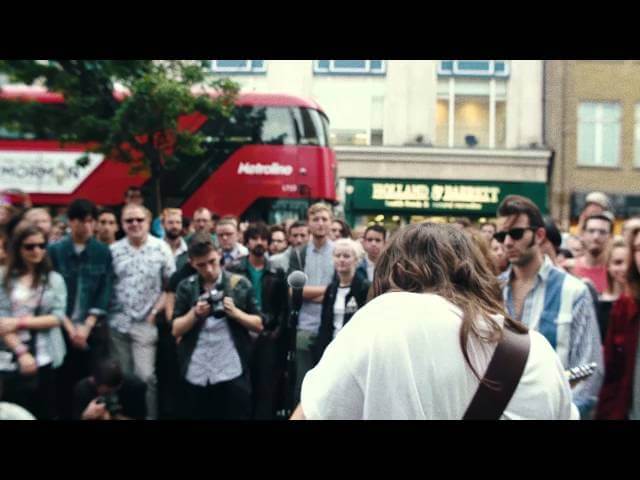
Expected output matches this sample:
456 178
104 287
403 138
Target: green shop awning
437 197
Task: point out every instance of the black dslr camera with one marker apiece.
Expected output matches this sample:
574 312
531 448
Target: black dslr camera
214 299
111 403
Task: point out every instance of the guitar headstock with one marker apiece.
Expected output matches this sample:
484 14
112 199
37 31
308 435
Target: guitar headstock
580 372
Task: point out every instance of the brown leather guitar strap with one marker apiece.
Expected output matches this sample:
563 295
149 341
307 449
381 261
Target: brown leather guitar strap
504 372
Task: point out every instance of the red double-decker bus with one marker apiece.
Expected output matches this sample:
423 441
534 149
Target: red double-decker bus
268 161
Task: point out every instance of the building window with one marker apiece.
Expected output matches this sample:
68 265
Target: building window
472 121
377 137
238 66
474 68
637 137
377 121
471 113
349 67
599 134
349 137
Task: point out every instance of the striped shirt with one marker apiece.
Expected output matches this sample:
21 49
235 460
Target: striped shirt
560 307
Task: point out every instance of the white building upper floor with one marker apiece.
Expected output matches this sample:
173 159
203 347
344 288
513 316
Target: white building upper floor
481 104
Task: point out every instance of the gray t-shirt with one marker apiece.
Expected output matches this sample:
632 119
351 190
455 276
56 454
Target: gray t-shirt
319 269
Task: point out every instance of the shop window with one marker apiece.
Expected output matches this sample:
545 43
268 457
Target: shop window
599 134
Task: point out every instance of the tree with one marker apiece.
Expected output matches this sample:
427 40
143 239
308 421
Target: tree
127 110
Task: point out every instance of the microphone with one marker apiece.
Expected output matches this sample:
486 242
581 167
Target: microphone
296 281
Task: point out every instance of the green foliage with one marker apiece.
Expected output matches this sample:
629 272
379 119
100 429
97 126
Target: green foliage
141 129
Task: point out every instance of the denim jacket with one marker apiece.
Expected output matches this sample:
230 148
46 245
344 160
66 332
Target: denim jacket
88 276
54 300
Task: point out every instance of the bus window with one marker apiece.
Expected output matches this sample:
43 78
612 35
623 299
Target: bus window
257 125
310 127
278 127
325 130
48 114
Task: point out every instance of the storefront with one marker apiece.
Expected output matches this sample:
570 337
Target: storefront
623 206
396 202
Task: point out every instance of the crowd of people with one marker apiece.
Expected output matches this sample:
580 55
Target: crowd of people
113 314
110 313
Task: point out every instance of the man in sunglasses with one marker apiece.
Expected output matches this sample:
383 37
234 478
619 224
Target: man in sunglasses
142 265
547 299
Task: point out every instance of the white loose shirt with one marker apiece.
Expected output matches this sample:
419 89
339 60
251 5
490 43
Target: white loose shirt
400 358
140 274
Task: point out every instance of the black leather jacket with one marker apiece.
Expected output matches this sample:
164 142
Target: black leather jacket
359 290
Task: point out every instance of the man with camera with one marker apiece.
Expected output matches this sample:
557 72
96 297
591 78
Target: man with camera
214 312
108 394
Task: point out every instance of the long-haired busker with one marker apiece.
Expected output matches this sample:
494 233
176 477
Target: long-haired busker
33 299
620 394
419 349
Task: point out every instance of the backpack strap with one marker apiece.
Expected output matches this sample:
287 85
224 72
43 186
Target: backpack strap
503 374
233 281
230 285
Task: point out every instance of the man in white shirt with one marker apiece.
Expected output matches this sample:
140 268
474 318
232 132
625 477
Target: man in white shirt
142 265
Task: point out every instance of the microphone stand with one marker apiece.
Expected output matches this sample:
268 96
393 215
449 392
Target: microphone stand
290 374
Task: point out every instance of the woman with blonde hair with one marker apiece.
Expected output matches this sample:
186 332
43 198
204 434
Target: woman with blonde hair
345 294
420 347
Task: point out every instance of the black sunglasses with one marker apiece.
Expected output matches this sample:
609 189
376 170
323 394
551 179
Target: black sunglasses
515 233
32 246
131 220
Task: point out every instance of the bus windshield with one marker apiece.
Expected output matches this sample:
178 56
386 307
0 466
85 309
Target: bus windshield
267 126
